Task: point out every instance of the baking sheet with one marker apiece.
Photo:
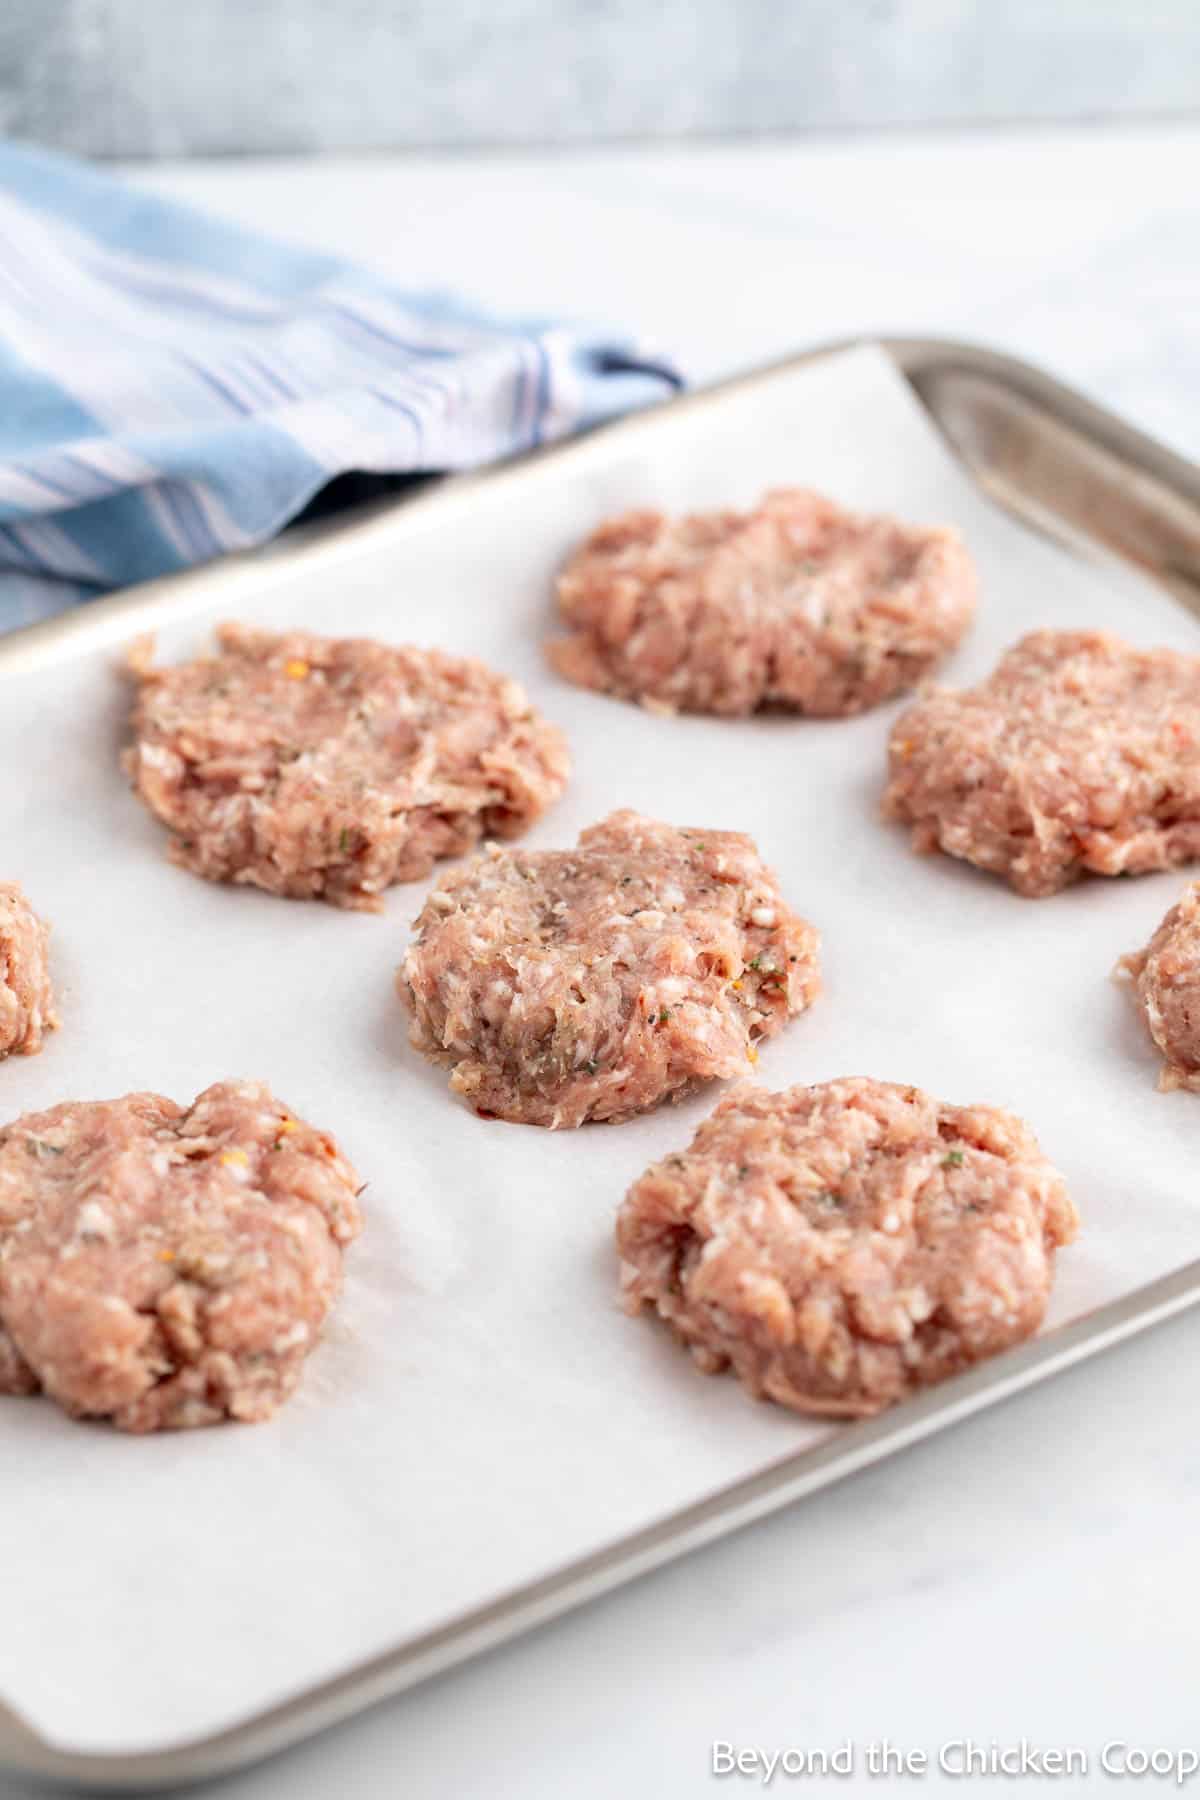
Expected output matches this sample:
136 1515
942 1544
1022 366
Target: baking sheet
480 1413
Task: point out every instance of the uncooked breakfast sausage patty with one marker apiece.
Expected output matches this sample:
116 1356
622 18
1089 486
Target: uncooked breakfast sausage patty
1166 983
843 1245
26 999
331 767
163 1266
564 985
1078 753
795 604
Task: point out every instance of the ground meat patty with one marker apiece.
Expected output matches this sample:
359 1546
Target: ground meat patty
26 1000
164 1267
843 1245
1166 982
795 604
1078 753
565 985
331 767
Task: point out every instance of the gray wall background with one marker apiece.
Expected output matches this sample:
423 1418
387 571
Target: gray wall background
198 77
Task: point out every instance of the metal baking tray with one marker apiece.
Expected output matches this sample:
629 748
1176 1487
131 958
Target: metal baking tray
1065 467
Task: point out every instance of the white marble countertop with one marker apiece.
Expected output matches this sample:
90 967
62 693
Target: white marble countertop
1032 1574
1079 249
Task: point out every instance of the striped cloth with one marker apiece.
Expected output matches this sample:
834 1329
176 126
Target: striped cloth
171 387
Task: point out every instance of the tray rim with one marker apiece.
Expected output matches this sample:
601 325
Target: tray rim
857 1446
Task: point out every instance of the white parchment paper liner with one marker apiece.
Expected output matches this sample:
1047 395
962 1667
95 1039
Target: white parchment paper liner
480 1412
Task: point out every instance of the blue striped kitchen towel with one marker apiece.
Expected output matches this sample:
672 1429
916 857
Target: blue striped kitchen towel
172 387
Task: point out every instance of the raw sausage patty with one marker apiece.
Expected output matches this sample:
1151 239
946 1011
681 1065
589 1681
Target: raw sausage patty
164 1267
1166 983
843 1245
564 985
331 767
1078 753
26 1000
795 604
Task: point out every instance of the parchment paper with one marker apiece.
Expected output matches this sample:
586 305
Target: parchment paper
480 1412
